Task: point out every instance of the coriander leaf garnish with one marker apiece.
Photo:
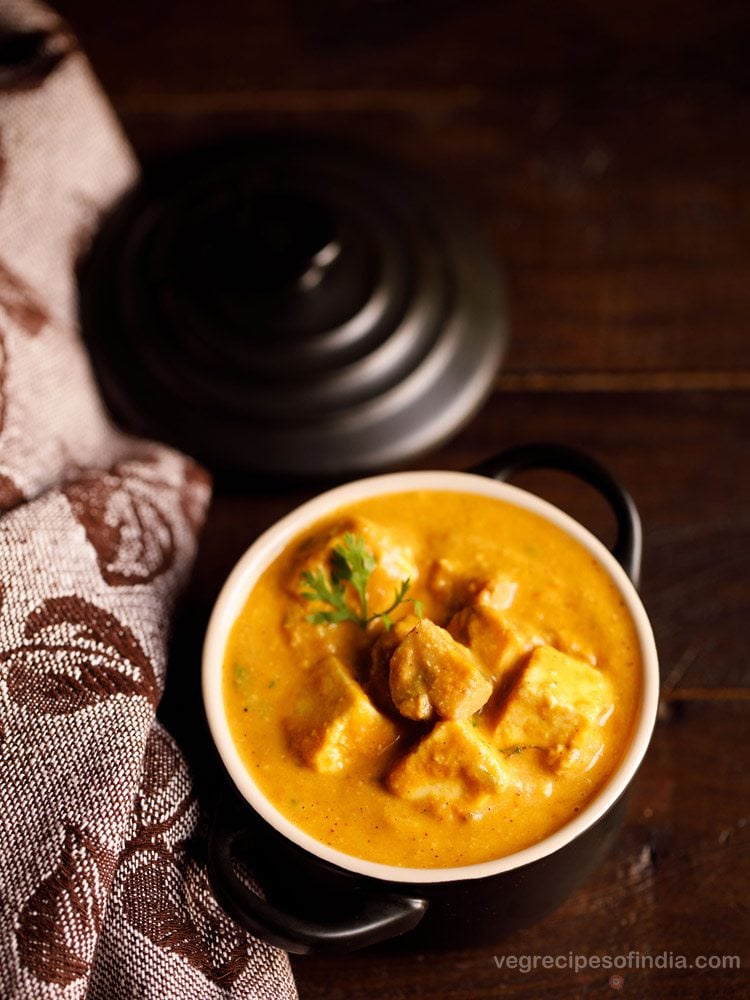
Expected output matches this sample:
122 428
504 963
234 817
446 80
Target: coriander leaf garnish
352 564
333 594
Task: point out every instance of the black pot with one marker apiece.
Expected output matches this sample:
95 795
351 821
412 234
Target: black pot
318 899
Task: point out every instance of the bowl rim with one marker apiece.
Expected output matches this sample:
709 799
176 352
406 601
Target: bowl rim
270 544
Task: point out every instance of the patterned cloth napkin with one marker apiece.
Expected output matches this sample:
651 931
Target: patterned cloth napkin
102 887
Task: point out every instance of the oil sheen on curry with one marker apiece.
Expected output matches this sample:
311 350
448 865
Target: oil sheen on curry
474 718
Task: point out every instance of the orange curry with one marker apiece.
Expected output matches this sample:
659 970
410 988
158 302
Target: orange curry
474 719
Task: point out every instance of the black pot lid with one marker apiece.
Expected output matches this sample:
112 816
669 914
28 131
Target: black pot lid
291 305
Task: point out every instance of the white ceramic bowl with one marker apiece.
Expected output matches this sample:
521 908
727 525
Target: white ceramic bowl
263 552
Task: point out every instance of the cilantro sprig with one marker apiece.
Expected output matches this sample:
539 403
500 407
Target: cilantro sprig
351 566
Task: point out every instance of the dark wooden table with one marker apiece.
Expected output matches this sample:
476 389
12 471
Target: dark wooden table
605 151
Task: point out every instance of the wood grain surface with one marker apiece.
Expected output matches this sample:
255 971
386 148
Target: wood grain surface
604 152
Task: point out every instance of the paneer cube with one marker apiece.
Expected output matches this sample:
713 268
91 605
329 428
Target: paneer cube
378 683
569 641
455 587
558 705
493 640
451 584
433 675
499 592
451 770
334 723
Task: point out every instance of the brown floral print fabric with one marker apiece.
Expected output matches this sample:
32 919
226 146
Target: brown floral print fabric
102 870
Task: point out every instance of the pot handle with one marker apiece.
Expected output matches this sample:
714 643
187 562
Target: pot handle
628 544
369 918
